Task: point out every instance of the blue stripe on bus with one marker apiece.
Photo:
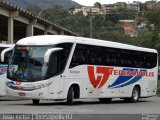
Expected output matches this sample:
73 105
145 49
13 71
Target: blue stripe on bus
122 79
122 82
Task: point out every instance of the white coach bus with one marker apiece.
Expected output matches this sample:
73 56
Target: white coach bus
66 68
3 66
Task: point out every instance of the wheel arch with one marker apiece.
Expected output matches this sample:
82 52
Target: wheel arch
139 87
76 89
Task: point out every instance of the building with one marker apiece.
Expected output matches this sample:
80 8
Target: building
129 26
152 4
17 23
75 9
120 4
107 8
86 10
136 5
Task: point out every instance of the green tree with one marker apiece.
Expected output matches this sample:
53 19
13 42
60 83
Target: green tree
120 13
97 4
80 24
153 16
56 14
34 9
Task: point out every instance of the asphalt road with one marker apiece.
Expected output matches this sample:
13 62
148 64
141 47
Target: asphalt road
90 106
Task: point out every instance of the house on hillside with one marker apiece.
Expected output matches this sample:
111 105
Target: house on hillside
129 26
86 10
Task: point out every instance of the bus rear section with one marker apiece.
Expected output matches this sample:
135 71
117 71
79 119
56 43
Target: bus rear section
3 67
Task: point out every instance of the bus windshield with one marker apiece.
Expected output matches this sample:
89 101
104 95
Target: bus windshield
27 63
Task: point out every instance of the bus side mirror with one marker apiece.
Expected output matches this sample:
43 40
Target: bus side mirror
49 52
4 52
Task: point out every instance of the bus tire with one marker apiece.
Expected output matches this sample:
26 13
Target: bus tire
105 100
35 101
135 95
70 96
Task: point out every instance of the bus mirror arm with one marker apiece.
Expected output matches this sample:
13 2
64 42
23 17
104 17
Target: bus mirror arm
4 52
49 52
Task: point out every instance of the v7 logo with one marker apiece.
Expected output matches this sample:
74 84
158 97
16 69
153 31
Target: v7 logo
101 79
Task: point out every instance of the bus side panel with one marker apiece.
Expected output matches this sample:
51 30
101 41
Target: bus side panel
90 88
54 91
76 76
149 84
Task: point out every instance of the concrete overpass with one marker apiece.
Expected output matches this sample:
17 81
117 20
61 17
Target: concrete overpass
17 23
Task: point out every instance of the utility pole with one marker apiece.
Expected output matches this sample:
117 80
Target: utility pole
90 13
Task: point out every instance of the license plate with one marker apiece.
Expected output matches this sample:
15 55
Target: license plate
22 94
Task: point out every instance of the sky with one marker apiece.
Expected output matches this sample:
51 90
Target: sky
91 2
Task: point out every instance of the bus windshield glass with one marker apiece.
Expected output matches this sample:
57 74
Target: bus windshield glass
27 63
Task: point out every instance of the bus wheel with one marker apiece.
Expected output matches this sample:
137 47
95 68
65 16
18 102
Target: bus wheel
135 95
70 96
35 101
105 100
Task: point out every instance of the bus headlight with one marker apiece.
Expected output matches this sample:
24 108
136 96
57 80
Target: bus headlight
40 86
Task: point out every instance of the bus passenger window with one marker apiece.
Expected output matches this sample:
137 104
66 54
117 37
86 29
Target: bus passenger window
112 59
78 58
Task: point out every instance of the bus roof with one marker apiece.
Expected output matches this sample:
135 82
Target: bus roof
46 40
56 39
